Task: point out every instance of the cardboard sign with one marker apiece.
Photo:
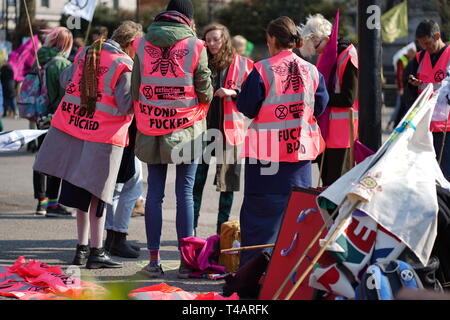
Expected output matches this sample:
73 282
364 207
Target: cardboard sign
301 223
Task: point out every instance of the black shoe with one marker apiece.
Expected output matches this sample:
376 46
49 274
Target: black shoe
99 258
120 247
58 211
81 255
41 210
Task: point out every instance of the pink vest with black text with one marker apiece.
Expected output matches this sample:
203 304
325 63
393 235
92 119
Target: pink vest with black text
106 124
167 98
285 129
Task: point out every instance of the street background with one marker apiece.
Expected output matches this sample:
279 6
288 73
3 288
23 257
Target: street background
53 240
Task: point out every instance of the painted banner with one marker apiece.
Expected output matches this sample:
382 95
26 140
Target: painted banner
301 223
14 140
396 203
80 8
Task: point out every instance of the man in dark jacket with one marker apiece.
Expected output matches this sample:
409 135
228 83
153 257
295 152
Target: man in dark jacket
9 89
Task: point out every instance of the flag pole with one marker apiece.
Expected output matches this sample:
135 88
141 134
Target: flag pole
31 33
86 37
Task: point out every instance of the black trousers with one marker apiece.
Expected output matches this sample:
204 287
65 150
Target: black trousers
45 186
332 166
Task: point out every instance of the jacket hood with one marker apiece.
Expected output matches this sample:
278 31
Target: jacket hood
45 54
166 34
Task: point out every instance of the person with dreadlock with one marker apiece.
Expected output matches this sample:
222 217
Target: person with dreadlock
89 131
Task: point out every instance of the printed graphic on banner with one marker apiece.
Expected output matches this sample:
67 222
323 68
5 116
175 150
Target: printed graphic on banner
302 221
166 59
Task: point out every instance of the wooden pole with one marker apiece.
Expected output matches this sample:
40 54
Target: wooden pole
443 142
86 37
351 115
262 246
31 33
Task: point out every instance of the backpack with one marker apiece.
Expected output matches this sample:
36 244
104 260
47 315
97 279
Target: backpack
383 280
33 99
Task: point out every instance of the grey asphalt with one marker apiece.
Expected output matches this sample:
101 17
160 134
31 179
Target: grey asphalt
53 240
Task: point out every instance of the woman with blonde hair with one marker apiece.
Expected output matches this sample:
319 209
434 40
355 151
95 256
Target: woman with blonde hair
89 131
53 57
229 71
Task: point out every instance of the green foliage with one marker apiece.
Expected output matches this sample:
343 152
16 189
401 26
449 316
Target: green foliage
443 7
250 18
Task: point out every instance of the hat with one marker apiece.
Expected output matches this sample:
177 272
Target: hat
182 6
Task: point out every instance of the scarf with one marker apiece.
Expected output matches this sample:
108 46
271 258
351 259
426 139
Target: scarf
89 80
173 16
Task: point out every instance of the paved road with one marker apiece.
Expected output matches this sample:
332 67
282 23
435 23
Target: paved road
52 240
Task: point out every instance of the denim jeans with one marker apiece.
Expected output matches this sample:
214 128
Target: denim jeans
184 184
125 195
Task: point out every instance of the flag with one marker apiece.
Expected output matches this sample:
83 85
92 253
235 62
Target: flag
394 23
14 140
327 60
394 192
84 9
23 59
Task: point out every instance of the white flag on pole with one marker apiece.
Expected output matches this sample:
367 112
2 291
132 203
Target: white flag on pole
14 140
80 8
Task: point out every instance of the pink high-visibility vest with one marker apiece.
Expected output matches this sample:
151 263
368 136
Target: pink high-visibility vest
339 121
233 122
285 129
167 98
106 124
435 75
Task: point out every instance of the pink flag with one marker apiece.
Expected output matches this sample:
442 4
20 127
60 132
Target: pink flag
361 152
23 59
327 60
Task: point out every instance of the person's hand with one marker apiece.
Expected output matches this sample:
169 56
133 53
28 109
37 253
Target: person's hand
222 93
401 92
414 81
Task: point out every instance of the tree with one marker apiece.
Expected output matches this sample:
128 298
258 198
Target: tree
443 7
250 18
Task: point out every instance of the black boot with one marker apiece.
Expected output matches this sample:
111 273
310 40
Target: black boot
81 255
121 248
99 258
108 240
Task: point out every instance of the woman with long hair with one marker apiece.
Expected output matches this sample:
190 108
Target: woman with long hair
229 71
89 131
283 95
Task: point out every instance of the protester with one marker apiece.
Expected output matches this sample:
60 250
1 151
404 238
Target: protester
128 189
57 46
343 98
89 131
402 66
229 71
171 101
430 66
9 90
240 45
77 44
99 32
282 95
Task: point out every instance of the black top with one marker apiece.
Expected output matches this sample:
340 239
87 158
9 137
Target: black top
7 80
349 88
